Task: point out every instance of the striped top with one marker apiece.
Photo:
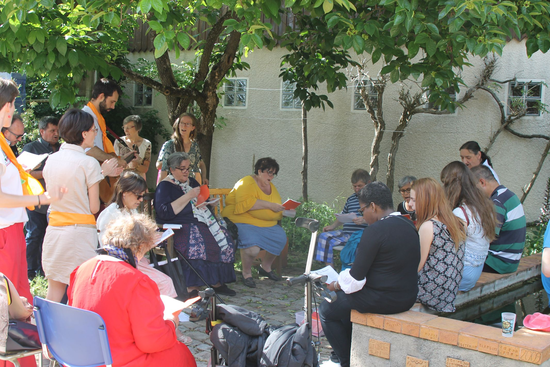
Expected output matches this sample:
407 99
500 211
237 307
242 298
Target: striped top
352 206
505 252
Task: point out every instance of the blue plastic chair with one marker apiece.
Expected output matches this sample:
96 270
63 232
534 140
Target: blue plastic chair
74 337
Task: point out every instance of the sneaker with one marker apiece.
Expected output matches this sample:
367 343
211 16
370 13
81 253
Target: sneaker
224 290
334 358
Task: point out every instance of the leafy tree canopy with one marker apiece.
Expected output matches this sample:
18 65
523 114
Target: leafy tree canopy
428 39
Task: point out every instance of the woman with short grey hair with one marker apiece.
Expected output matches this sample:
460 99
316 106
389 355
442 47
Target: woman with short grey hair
201 240
404 207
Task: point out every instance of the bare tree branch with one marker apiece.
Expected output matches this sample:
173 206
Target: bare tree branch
531 183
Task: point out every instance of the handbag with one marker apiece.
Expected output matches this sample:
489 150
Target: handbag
22 336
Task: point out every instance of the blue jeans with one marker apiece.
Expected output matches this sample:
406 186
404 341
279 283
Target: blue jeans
470 276
335 318
36 230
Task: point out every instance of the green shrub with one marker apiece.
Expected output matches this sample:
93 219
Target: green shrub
299 238
39 286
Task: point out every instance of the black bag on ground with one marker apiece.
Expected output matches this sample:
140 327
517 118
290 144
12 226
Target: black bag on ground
22 336
232 229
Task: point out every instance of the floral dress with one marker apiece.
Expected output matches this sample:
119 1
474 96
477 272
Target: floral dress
440 277
170 147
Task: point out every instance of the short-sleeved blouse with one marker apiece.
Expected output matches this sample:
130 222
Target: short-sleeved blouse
243 197
441 275
170 147
72 168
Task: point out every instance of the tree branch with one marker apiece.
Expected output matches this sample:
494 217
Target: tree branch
536 173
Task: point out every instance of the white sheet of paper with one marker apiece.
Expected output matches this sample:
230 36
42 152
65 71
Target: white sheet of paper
169 232
183 317
346 218
211 202
171 226
329 272
31 161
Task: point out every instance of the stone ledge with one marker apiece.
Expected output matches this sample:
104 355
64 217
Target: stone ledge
488 283
526 345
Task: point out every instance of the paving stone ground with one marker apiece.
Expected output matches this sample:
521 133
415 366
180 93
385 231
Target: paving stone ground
276 302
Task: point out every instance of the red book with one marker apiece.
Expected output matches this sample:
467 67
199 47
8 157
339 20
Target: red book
203 195
291 204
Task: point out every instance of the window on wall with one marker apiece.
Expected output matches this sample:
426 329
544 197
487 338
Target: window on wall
523 94
235 91
358 103
143 95
288 102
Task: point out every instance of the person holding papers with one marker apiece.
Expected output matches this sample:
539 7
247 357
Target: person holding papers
254 205
205 244
129 192
383 278
350 218
18 190
140 333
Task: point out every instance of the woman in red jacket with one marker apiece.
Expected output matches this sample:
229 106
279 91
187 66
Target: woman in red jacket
128 300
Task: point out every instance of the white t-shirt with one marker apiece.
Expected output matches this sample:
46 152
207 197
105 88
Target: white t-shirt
477 245
10 182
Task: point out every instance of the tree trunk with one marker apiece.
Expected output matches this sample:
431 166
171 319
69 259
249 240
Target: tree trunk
304 153
536 173
377 117
396 137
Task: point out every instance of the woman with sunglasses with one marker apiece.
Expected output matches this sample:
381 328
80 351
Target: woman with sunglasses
183 140
201 240
129 192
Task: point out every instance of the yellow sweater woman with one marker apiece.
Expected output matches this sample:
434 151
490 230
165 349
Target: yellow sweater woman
254 205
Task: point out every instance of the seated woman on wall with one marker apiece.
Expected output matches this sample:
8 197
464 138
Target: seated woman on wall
477 211
404 207
472 156
254 205
442 237
129 301
383 279
129 192
201 240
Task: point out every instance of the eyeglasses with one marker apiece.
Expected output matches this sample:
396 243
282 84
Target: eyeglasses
94 129
187 124
405 191
139 197
17 136
361 210
184 169
271 173
128 127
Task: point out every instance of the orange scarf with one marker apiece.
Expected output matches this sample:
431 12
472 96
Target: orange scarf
31 186
107 145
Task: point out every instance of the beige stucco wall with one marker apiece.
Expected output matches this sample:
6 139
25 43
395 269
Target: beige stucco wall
340 138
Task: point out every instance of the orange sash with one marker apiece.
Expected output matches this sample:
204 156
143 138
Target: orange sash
107 145
31 186
59 219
